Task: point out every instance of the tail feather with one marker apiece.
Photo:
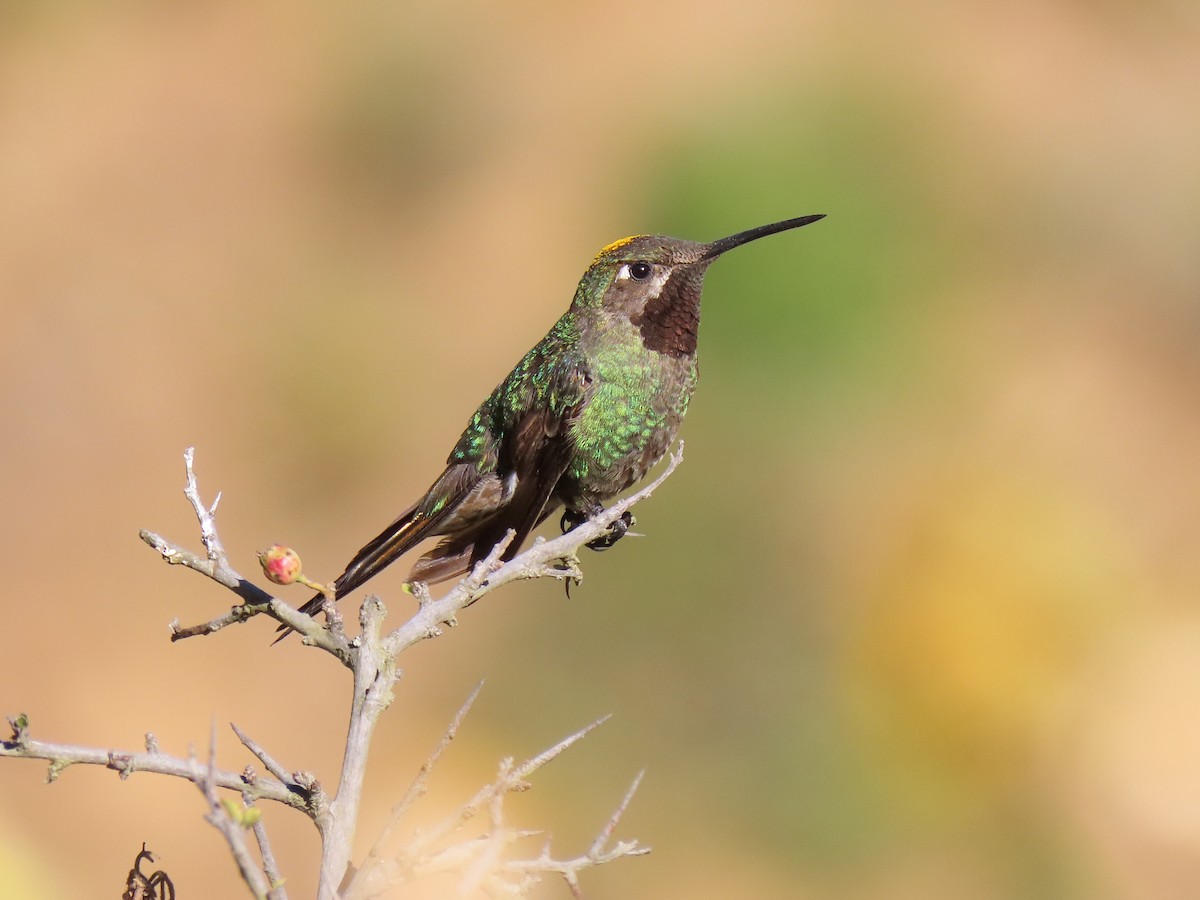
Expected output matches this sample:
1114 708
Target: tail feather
394 541
421 520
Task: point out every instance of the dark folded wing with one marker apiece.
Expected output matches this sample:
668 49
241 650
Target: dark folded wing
411 527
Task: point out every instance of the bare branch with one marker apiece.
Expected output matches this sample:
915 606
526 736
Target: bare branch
267 760
215 565
208 524
270 867
419 786
125 763
569 869
375 674
530 870
531 765
606 832
545 558
510 778
415 792
375 671
371 657
221 816
482 859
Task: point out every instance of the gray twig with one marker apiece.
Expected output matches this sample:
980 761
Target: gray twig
481 859
270 867
265 758
419 785
125 763
215 565
221 816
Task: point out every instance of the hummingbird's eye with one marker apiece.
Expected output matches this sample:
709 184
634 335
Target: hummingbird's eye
639 271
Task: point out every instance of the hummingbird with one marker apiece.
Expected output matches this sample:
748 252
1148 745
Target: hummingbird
584 415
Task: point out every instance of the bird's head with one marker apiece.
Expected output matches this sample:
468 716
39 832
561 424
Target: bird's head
654 282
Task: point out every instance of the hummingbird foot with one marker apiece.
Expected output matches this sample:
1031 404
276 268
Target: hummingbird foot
615 532
572 519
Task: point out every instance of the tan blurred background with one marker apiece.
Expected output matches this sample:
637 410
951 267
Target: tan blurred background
917 617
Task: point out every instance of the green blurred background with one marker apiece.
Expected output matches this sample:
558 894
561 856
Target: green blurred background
916 618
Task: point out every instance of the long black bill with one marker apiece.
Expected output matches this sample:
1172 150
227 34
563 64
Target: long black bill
716 248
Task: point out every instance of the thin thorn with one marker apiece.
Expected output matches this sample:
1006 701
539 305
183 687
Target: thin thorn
536 762
606 832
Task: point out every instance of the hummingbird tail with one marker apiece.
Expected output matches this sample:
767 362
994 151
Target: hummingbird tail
419 521
394 541
309 608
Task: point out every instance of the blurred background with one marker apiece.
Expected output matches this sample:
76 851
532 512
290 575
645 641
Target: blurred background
916 617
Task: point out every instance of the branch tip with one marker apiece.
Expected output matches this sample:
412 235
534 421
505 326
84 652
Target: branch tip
602 839
532 764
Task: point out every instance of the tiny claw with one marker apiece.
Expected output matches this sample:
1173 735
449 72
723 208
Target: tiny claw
571 519
570 572
617 530
575 575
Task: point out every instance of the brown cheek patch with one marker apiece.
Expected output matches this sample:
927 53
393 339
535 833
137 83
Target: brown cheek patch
671 321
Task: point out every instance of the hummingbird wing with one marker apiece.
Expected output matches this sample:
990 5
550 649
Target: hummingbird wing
419 521
535 449
500 475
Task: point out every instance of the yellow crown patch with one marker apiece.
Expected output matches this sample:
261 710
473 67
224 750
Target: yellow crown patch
616 245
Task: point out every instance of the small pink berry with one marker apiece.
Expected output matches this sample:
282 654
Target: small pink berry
280 564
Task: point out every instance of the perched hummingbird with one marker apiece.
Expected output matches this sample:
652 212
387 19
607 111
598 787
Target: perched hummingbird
583 416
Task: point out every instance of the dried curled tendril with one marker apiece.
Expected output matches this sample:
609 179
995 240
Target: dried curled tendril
139 886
